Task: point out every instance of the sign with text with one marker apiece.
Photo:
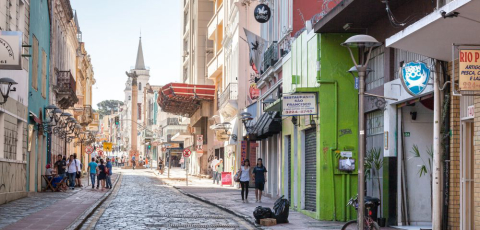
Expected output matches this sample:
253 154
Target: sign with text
199 143
471 111
415 77
469 69
299 104
243 150
107 146
11 50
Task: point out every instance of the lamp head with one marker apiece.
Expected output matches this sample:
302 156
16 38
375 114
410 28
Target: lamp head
361 41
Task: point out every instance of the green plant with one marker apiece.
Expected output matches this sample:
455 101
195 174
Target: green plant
373 164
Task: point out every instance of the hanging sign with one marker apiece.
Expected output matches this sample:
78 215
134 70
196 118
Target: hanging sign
299 104
262 13
199 143
107 146
89 149
469 69
415 77
11 50
187 153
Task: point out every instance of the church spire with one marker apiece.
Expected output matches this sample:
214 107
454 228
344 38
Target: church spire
140 64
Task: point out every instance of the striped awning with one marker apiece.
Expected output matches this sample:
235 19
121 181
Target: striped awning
184 99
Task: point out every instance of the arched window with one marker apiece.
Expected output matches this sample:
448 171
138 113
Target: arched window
139 86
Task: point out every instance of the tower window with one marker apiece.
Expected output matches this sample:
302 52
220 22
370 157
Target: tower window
140 86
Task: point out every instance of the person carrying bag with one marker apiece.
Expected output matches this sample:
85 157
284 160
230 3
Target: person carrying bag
243 176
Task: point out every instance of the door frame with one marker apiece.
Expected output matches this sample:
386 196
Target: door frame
466 157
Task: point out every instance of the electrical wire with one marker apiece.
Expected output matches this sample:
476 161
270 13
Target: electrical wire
394 21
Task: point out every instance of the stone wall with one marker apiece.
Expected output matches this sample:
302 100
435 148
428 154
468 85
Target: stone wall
13 180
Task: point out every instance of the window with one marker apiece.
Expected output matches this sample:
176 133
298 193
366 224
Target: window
375 78
375 122
44 74
139 117
139 86
35 63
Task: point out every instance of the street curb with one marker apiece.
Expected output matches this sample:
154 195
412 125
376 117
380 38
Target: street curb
238 214
78 223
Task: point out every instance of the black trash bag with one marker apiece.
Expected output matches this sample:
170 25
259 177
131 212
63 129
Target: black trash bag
281 210
262 213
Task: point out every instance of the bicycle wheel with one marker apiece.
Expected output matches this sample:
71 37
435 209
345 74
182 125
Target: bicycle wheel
350 225
353 225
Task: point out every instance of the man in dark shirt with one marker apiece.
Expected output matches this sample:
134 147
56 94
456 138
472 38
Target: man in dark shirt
260 173
60 165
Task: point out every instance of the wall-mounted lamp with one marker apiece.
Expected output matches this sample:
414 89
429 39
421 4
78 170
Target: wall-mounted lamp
6 87
295 121
312 122
414 115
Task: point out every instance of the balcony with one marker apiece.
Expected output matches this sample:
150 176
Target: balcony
215 65
66 90
216 20
271 56
229 94
87 116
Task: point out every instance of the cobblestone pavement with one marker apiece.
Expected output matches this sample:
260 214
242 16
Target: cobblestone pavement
142 202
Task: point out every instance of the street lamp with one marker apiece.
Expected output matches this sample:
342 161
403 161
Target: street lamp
6 87
362 42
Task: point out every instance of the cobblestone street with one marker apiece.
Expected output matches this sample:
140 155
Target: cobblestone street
142 202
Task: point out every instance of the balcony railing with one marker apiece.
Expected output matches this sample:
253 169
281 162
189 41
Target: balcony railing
271 56
66 89
230 93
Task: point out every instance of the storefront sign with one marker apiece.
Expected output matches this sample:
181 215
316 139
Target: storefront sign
172 145
10 50
262 13
243 150
469 69
199 144
226 178
299 104
415 77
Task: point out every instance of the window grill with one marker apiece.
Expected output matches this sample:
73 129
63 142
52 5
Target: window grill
375 123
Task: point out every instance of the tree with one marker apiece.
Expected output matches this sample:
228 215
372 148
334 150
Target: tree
106 107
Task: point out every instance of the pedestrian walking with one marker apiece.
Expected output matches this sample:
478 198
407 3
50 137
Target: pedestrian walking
133 162
219 171
78 175
109 167
160 165
260 173
92 168
102 173
214 168
72 168
245 179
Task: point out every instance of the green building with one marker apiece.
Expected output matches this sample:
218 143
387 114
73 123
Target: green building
313 145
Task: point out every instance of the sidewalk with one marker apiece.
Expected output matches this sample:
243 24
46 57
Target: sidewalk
229 199
51 210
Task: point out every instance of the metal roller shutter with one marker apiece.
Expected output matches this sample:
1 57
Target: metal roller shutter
310 169
290 160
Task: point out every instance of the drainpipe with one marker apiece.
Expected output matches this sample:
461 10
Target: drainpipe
436 177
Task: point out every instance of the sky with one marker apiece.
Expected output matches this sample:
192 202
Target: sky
111 31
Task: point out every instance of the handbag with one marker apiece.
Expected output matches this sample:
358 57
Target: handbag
237 176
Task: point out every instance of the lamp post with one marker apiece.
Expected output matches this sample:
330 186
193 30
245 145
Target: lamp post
6 87
362 42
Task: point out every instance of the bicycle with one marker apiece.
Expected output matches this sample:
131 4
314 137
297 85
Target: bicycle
368 220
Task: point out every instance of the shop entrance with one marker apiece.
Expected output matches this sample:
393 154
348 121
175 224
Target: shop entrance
466 175
311 169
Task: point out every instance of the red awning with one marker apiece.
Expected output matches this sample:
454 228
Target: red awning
184 99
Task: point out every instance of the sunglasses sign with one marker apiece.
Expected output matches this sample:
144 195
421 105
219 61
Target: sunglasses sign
262 13
469 69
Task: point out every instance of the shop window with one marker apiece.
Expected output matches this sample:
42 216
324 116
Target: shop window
376 63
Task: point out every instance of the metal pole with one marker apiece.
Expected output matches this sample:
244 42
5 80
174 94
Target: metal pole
361 148
169 162
186 165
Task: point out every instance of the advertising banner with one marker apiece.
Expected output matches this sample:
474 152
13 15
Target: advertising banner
11 50
243 150
299 104
469 69
226 178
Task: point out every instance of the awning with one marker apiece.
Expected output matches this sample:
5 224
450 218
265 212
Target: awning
275 106
361 13
181 136
35 118
184 99
432 36
267 125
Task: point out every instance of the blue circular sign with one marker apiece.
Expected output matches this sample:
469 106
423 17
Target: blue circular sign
415 77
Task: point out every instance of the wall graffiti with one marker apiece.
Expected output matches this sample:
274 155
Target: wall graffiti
345 132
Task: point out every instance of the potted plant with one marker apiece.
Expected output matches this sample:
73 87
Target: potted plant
373 164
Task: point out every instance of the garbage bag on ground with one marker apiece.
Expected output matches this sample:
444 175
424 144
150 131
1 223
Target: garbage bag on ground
262 213
281 210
